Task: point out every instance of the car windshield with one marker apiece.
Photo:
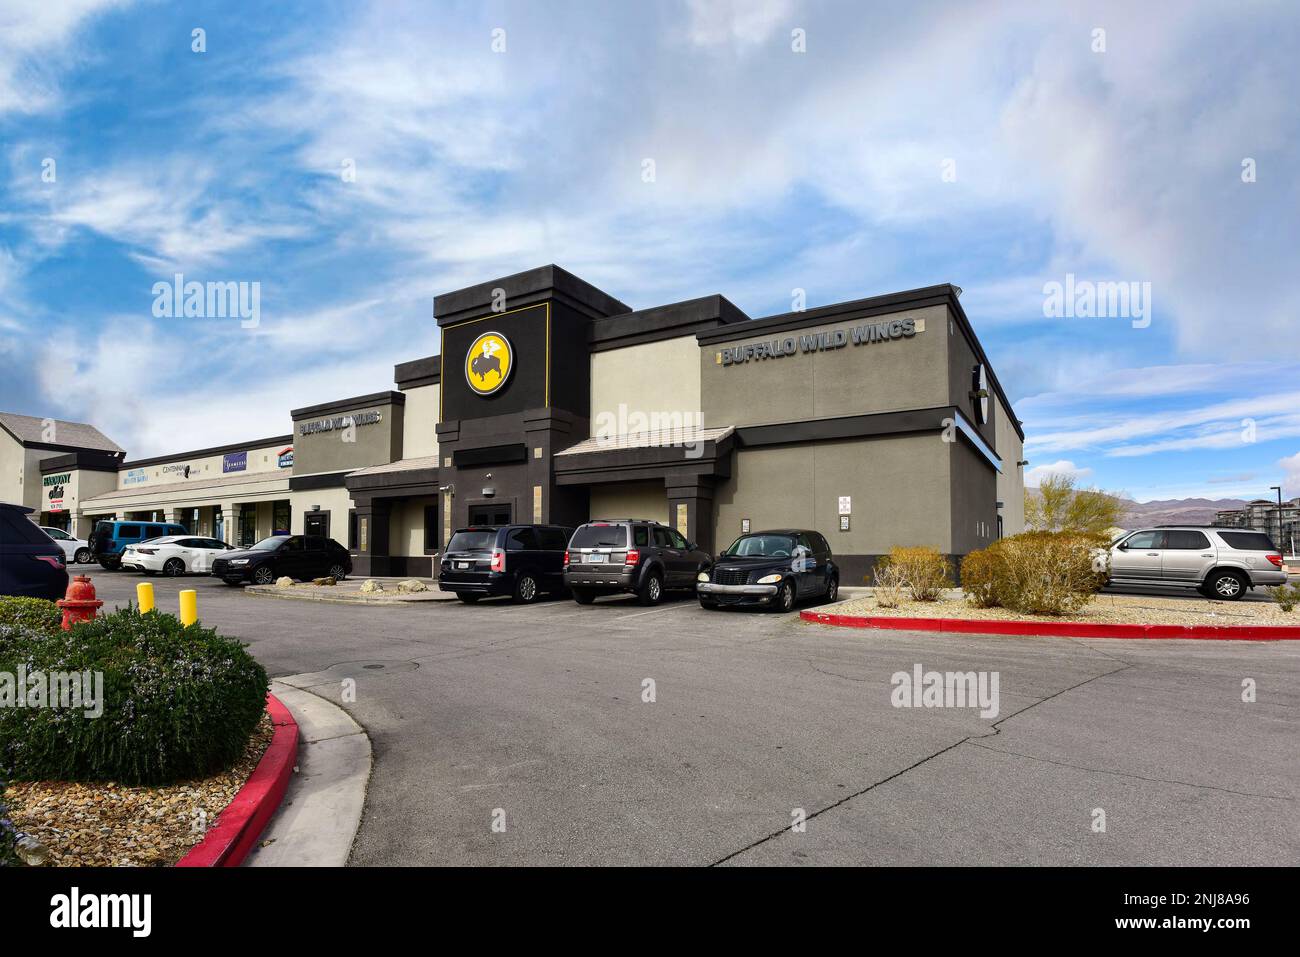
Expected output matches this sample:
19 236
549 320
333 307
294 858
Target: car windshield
761 546
270 544
600 536
474 540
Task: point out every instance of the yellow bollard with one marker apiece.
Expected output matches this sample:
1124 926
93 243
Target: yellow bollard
144 596
189 607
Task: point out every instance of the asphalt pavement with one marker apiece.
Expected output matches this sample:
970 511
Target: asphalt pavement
525 735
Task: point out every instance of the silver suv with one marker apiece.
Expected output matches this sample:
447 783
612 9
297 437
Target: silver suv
1219 562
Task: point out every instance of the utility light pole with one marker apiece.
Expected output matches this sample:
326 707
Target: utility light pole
1278 489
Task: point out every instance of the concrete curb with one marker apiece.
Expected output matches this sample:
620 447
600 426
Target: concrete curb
294 594
318 821
1059 629
237 828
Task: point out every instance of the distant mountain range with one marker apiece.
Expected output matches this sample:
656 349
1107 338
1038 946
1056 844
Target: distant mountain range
1174 511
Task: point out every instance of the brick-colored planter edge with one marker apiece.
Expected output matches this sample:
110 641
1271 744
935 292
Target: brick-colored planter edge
1059 629
239 826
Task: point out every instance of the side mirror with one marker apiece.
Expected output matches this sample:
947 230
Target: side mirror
1122 546
691 546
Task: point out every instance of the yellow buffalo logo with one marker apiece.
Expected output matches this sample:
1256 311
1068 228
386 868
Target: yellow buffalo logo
488 363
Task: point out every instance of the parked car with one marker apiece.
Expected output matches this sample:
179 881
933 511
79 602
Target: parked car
772 569
74 549
109 539
301 557
1220 562
522 561
174 555
32 564
630 555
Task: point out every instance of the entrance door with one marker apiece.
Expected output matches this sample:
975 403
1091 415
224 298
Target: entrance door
491 513
316 523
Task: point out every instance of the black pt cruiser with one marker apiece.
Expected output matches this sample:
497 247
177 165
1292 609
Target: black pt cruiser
771 569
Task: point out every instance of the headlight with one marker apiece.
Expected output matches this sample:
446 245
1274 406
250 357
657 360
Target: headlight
769 579
239 561
702 577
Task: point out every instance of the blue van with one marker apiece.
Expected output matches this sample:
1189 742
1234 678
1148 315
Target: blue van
109 538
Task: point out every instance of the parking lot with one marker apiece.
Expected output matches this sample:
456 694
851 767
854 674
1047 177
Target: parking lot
535 715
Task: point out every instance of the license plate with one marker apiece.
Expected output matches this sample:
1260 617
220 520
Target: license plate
597 558
462 564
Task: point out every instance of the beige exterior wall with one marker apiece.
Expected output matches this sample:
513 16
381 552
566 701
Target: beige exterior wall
1011 481
630 500
336 501
12 467
406 526
655 377
898 488
262 459
419 432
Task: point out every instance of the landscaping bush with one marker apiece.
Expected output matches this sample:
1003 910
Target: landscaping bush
35 614
1287 596
177 702
8 835
890 585
924 571
1037 573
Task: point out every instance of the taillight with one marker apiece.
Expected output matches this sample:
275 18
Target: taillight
566 558
498 560
633 556
54 561
1276 560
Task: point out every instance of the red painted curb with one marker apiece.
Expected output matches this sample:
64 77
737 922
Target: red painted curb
230 839
1060 629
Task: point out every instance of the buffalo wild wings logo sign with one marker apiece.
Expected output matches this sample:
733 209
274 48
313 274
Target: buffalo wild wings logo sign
488 363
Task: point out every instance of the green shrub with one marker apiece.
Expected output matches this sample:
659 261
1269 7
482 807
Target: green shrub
924 571
1037 573
1287 596
8 834
177 702
35 614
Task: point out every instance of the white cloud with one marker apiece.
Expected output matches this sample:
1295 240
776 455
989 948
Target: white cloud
743 23
33 40
1291 482
1034 476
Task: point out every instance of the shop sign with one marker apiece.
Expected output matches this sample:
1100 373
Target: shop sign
234 462
54 484
341 422
135 477
285 460
827 341
182 470
488 363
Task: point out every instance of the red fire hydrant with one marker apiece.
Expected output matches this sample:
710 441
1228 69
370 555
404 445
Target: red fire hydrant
80 603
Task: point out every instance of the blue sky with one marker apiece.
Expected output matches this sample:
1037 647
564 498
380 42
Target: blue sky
994 146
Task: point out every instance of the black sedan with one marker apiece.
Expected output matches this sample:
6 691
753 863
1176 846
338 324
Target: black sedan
772 570
301 557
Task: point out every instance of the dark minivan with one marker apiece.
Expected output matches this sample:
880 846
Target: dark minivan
771 569
109 539
522 561
630 555
32 564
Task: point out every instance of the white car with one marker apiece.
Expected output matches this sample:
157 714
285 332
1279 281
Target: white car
74 549
174 555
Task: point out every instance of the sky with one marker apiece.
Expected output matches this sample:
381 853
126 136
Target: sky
350 161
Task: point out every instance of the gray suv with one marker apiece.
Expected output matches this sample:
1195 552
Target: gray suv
630 555
1220 562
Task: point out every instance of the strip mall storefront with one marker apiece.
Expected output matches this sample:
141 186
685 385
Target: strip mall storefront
877 422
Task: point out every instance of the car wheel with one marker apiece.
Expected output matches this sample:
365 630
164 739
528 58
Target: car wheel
525 590
1226 586
174 567
785 597
652 591
338 573
468 597
82 556
832 589
264 575
582 596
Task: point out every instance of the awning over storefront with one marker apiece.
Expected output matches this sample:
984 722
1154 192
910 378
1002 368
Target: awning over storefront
646 455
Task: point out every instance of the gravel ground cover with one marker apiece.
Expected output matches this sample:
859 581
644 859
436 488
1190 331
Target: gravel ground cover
107 824
1104 609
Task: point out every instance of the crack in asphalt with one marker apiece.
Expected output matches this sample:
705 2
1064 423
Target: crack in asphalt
1126 774
996 729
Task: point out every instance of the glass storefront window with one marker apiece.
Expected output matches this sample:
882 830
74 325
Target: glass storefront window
282 518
